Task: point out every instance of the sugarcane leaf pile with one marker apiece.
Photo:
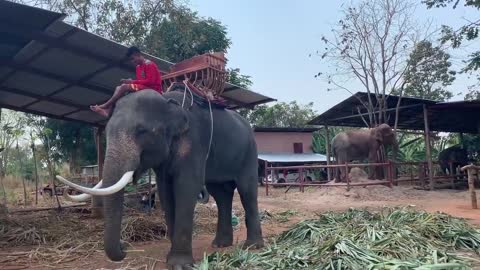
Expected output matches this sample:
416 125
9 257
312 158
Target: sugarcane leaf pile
390 238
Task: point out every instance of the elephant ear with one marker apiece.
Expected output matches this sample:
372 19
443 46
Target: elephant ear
377 134
179 119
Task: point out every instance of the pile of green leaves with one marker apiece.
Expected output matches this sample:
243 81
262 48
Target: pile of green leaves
392 238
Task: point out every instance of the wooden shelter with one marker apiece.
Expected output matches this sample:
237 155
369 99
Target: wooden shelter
414 114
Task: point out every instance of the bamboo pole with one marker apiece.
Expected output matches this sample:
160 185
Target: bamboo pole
471 169
428 148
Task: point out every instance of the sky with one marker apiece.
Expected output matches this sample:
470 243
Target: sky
272 40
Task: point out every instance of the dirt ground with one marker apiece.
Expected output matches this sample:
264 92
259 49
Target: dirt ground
299 206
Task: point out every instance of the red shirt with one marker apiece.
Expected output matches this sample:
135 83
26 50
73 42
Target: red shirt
149 76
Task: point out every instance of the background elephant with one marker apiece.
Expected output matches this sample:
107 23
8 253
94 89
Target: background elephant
360 145
148 130
455 154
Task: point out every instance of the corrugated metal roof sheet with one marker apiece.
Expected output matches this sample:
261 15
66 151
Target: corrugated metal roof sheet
292 158
51 68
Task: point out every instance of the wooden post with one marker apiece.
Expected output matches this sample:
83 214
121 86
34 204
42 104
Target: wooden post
97 202
428 148
421 174
471 183
266 177
347 178
327 144
302 180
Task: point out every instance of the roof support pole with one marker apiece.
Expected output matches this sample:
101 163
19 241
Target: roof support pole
327 144
461 140
428 148
97 202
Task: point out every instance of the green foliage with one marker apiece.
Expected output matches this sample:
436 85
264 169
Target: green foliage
319 140
428 73
280 115
236 78
74 142
393 238
12 127
456 37
183 34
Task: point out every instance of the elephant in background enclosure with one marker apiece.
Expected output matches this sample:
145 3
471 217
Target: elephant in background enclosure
147 130
456 154
360 145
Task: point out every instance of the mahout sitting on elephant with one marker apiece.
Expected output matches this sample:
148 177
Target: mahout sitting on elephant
148 130
360 145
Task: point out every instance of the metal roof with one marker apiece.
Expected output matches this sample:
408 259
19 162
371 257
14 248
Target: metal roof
292 158
460 116
286 129
51 68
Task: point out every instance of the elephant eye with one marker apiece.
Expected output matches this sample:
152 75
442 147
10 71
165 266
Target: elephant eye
141 131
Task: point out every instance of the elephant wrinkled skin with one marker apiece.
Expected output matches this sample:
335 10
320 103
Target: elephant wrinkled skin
148 130
360 145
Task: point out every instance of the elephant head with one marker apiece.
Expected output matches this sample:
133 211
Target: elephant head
384 135
143 132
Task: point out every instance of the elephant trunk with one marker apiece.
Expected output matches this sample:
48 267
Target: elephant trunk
117 162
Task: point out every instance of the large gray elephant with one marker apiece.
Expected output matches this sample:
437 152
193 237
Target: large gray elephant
360 145
456 154
148 130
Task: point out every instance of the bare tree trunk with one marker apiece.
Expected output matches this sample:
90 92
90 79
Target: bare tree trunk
51 170
35 168
21 175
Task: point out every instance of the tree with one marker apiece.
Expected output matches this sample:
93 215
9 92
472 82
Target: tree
456 37
429 73
182 34
280 115
371 44
73 141
12 126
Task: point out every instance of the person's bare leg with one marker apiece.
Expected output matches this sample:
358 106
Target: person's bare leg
119 92
104 109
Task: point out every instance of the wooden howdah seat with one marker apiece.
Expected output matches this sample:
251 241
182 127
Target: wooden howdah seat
204 74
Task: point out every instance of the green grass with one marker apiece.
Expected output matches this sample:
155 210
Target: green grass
392 238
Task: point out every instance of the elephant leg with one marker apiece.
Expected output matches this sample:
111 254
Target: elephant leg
223 195
186 187
165 192
372 158
341 171
248 191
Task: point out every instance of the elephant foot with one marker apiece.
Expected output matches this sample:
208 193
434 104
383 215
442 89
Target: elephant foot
253 244
180 262
221 242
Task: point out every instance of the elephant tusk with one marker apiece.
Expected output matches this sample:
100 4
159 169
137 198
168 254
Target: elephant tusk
83 197
126 178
